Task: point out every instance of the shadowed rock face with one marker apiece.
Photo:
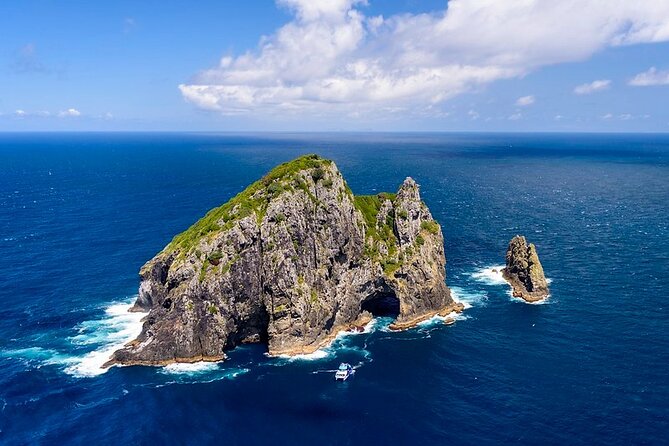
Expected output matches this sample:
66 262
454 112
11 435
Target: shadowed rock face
290 261
524 271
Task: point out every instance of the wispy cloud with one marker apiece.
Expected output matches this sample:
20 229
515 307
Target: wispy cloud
332 59
623 116
524 101
21 113
650 78
592 87
24 114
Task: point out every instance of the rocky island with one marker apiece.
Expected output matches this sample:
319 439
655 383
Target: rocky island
524 272
290 261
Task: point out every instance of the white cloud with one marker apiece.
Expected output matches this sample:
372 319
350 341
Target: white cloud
20 113
650 78
592 87
524 101
70 112
607 116
558 117
312 10
473 115
332 59
515 117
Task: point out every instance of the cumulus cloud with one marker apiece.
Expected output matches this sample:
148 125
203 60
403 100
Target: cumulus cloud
333 59
524 101
650 78
70 112
592 87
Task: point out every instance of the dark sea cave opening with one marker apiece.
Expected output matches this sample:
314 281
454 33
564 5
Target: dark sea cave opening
382 304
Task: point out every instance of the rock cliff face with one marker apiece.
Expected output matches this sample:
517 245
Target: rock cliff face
290 261
524 272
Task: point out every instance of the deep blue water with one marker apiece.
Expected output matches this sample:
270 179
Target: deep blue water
80 213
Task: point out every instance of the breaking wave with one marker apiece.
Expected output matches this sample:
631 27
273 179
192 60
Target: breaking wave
490 275
108 334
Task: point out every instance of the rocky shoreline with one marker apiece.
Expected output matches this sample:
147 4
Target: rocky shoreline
444 312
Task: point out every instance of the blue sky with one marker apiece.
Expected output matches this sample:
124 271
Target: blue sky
305 65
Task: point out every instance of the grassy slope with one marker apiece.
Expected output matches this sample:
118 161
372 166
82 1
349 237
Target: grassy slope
255 198
252 199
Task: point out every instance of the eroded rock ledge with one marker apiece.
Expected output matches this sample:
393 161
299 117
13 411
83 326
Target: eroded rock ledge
290 261
524 272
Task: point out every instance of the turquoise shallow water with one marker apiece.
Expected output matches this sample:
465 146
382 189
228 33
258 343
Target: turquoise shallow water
79 214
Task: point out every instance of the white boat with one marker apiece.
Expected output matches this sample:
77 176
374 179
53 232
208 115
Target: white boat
344 372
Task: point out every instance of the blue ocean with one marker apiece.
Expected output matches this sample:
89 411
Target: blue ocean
80 213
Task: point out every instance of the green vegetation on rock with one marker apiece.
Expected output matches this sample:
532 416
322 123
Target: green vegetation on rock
215 257
381 243
430 226
212 309
380 232
203 270
253 199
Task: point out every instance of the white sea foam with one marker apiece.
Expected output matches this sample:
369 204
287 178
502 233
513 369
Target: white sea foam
375 324
195 368
520 300
201 374
338 343
109 333
38 355
321 353
468 298
438 320
490 275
